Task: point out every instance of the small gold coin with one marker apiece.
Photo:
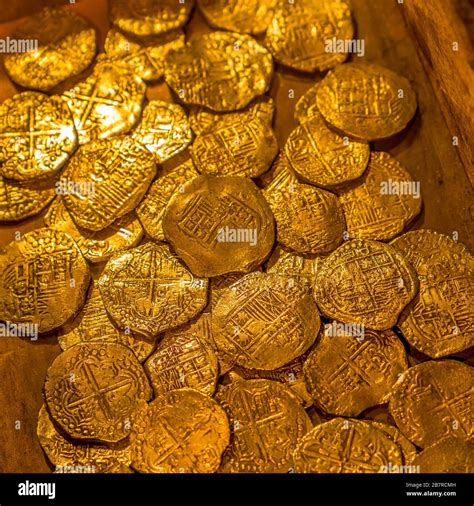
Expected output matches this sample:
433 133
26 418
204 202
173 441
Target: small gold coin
183 431
433 400
37 136
365 282
266 422
306 107
446 456
439 320
346 446
108 177
265 321
301 32
43 279
222 71
366 101
148 290
93 390
351 369
66 46
219 224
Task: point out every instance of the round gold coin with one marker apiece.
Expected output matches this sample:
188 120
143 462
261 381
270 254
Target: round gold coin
433 400
266 422
222 71
365 282
219 224
183 431
366 101
37 136
148 290
43 280
446 456
306 107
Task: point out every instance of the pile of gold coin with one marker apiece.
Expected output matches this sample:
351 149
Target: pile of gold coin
251 307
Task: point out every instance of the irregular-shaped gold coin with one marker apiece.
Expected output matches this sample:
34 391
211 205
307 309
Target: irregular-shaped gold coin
306 107
303 34
43 279
65 46
365 282
439 320
108 102
446 456
219 224
366 101
115 172
222 71
324 158
93 390
37 136
433 400
266 422
346 446
183 431
351 369
149 290
264 321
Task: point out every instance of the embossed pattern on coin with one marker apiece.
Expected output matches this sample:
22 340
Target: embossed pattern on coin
306 107
446 456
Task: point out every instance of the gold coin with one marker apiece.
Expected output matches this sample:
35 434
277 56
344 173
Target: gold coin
381 204
365 282
346 446
264 321
439 320
164 130
266 422
93 325
306 107
366 101
109 102
309 220
43 279
124 233
222 71
219 224
93 390
323 157
351 369
108 177
446 456
433 400
37 136
149 17
183 431
251 16
300 32
148 290
66 46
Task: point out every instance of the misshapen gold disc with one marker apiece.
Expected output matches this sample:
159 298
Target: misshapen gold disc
37 136
446 456
366 101
43 279
183 431
306 107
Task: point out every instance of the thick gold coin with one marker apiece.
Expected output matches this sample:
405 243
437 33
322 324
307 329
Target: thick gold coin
346 446
439 320
446 456
265 321
183 431
433 400
219 224
306 107
366 101
109 102
365 282
383 202
148 290
93 390
43 279
37 136
301 34
266 422
65 46
351 369
222 71
108 178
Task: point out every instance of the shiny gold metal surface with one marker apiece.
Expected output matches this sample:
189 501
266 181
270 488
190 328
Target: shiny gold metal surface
446 456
